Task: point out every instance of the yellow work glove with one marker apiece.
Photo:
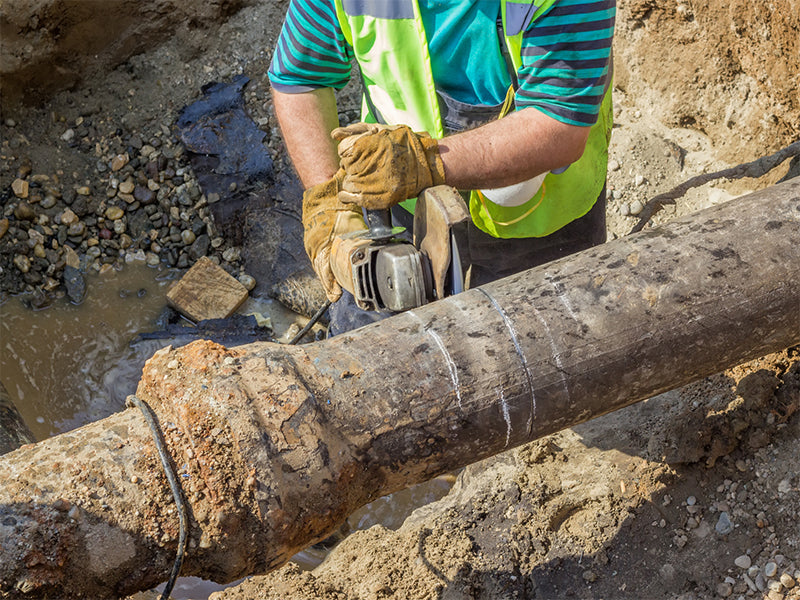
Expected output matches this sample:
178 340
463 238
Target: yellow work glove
325 218
386 165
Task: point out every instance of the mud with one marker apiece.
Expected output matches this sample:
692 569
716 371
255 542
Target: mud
627 506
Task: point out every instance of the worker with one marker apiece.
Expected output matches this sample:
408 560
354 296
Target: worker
506 100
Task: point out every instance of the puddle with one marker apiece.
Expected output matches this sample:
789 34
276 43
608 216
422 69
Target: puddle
66 366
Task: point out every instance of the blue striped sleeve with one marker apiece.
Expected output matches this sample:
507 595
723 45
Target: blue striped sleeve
566 60
311 51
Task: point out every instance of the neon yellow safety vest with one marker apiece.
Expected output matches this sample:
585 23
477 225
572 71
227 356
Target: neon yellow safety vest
399 85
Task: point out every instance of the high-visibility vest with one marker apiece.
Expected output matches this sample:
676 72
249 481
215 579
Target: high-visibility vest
399 87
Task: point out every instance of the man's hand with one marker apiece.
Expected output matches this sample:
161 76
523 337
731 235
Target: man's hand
325 218
386 165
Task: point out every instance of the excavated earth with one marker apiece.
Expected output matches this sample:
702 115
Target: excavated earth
694 494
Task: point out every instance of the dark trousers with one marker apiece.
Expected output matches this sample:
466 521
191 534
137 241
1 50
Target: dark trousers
491 258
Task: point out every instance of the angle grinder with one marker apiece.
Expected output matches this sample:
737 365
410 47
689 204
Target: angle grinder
384 271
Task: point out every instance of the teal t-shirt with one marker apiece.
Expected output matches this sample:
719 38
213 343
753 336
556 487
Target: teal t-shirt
463 43
566 54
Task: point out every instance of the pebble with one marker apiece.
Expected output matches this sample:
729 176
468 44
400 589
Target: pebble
691 501
152 259
625 209
68 135
770 569
119 161
724 589
114 212
3 227
613 165
743 561
638 180
248 281
83 190
787 581
636 207
24 212
22 263
188 237
724 525
20 188
785 486
126 187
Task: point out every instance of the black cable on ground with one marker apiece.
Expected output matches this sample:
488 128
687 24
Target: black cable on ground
177 493
317 316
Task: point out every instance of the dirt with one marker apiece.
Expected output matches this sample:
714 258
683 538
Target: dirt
630 505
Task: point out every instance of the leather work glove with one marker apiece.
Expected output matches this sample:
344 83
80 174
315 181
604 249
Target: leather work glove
386 165
324 219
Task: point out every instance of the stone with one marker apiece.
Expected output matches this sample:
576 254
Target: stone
22 263
24 212
188 237
638 180
787 581
724 589
144 194
68 135
613 165
724 525
126 187
770 569
636 207
3 227
743 561
249 282
152 259
83 190
114 212
75 284
20 188
119 161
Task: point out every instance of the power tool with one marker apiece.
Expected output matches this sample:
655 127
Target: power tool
384 271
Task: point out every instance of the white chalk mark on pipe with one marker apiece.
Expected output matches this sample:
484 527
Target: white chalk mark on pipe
560 292
555 352
515 340
506 415
451 364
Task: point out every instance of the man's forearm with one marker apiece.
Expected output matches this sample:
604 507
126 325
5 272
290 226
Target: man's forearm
306 121
510 150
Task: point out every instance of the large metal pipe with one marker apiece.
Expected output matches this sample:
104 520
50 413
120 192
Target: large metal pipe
275 446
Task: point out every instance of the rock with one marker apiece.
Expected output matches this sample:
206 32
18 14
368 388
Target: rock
152 259
248 281
114 212
188 237
199 247
787 581
22 263
770 569
589 576
3 227
68 135
785 486
724 589
74 284
126 187
613 165
636 207
231 254
724 525
24 212
638 180
83 190
68 217
20 188
743 561
76 229
624 209
144 194
119 161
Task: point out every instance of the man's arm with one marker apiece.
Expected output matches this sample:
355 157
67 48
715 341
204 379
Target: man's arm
306 121
509 150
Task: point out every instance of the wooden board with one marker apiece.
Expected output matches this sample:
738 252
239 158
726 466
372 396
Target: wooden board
206 291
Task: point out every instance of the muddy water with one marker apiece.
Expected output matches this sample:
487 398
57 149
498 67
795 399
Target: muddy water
66 366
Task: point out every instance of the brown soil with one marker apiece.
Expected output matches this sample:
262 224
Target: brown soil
627 506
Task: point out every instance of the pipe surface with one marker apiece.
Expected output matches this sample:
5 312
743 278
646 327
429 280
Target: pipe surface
276 445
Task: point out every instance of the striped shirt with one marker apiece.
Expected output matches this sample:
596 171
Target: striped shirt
566 54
